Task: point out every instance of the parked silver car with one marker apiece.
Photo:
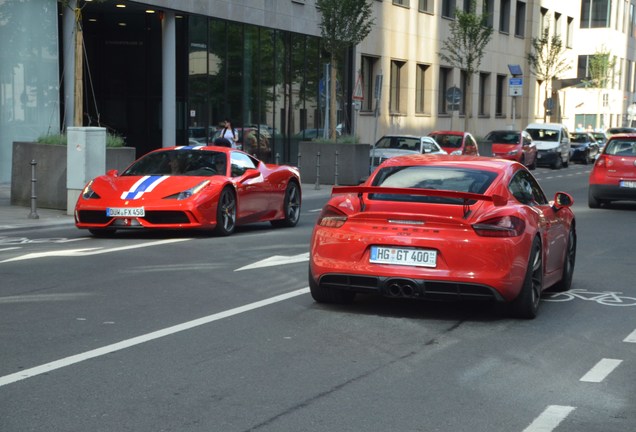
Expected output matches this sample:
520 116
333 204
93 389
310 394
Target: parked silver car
398 145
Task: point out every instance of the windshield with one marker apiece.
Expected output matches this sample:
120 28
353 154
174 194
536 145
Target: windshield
399 143
544 134
503 137
447 140
429 177
179 162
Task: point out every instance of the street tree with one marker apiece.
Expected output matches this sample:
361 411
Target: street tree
465 46
547 60
344 23
601 72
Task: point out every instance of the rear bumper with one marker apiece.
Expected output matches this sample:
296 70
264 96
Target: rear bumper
612 192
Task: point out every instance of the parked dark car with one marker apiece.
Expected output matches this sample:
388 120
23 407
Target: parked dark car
584 147
619 130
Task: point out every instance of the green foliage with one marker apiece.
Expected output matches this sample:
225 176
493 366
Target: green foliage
546 58
467 42
601 69
112 140
344 23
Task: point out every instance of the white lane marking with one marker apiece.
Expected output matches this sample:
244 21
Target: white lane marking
276 260
550 418
631 338
89 251
314 211
601 370
9 248
31 298
58 364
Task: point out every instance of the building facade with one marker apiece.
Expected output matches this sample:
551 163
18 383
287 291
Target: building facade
160 72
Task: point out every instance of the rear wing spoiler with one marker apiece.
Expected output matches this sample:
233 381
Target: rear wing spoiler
497 200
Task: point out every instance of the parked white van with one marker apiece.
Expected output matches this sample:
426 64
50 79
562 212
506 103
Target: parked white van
553 143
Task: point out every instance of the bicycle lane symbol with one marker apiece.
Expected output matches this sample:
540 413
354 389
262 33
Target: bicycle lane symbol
607 298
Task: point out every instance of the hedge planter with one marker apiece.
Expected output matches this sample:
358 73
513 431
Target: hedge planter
50 172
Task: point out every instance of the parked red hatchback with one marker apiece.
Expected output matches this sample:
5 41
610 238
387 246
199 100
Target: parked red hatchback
514 145
456 142
613 177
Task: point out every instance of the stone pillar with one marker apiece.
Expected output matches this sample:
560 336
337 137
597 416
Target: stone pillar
85 159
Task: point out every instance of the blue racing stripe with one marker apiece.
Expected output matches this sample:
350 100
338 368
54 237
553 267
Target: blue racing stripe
141 188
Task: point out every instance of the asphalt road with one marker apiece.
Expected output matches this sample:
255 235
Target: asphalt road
182 332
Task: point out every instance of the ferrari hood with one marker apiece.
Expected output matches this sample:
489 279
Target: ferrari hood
131 188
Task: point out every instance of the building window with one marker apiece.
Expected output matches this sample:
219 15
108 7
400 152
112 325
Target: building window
489 12
504 18
448 8
583 67
404 3
445 75
595 13
425 6
467 4
422 84
398 79
545 22
520 19
569 37
557 24
499 98
368 73
484 92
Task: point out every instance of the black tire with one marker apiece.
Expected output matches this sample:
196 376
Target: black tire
102 232
226 213
533 166
558 163
291 207
592 202
322 294
568 264
526 304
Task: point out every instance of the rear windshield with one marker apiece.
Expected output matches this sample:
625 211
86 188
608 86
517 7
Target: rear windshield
503 137
544 134
429 177
621 148
580 138
401 143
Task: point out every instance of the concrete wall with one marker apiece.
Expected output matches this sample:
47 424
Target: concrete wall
353 162
51 172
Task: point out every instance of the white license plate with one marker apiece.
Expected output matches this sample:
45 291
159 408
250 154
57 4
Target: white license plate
125 212
406 257
628 184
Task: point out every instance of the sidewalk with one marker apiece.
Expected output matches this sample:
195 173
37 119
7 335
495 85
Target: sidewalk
18 217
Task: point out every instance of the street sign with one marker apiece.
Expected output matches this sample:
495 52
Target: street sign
515 86
357 90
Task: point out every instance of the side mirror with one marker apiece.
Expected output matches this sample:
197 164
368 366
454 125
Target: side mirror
562 199
250 174
112 173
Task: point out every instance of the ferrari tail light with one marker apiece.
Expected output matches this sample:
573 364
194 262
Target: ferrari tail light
503 226
331 217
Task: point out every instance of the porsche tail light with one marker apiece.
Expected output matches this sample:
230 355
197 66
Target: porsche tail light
504 226
331 217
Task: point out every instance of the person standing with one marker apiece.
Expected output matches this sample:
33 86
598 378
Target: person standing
229 133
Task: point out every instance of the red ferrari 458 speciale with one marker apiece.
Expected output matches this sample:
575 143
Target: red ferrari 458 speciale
194 187
444 227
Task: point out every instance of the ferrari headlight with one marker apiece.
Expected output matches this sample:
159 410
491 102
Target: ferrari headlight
88 192
189 192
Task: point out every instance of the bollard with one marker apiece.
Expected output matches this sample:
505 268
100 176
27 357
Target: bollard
34 213
335 180
298 164
317 186
277 158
